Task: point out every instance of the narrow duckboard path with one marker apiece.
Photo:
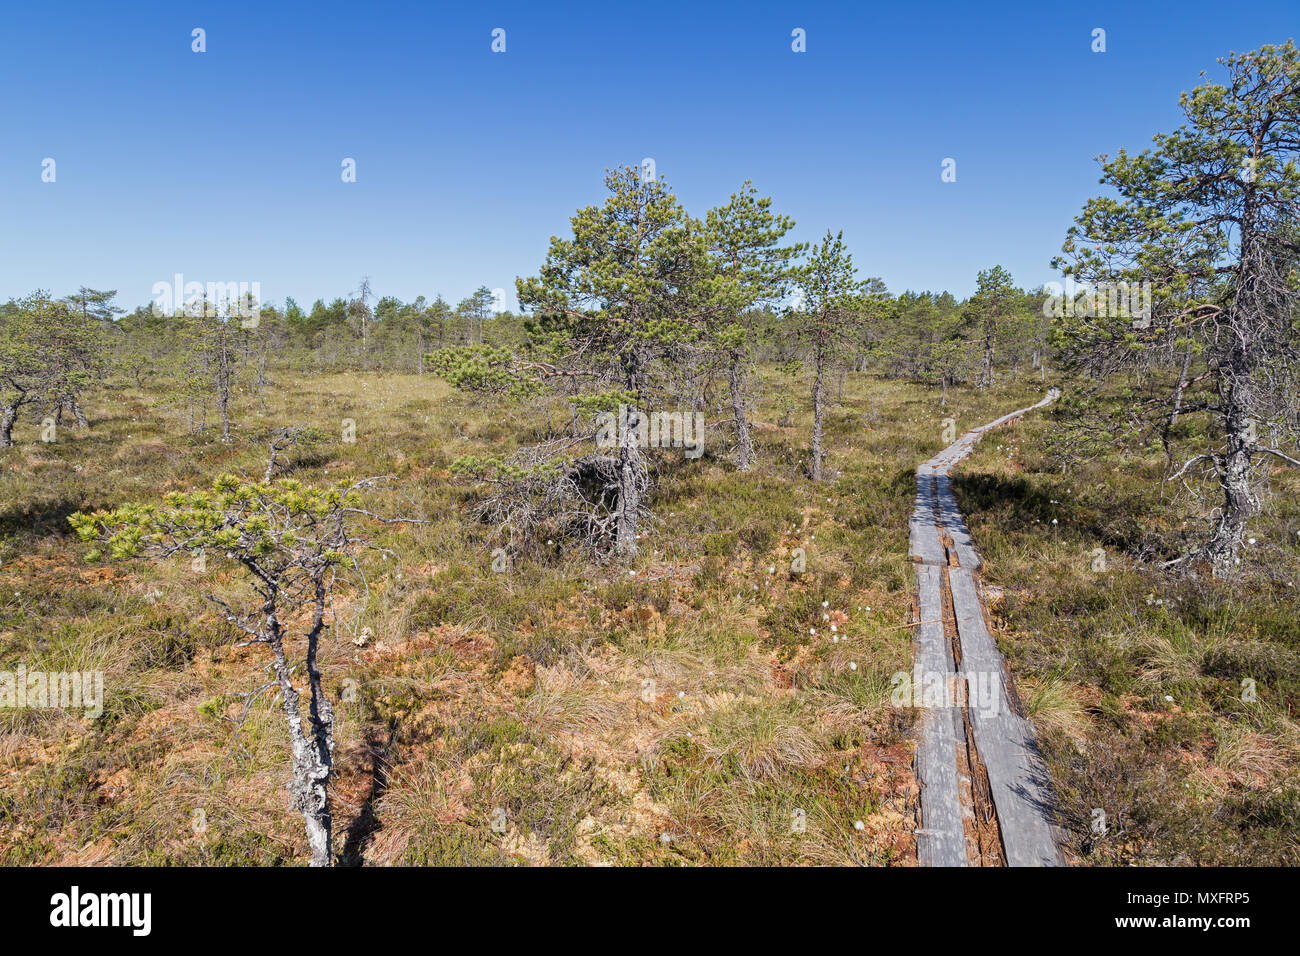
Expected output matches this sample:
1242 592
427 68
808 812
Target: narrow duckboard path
985 797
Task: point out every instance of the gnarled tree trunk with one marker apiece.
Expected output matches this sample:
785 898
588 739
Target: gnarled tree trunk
1182 387
632 476
70 404
631 479
312 746
1233 468
819 402
990 348
744 443
8 415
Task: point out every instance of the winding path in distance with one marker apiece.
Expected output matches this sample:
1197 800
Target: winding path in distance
985 799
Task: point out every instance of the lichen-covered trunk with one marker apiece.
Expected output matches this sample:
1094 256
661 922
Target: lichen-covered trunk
631 464
8 415
744 444
71 404
1237 367
67 403
990 348
223 388
225 413
312 752
631 469
1233 466
1182 387
819 402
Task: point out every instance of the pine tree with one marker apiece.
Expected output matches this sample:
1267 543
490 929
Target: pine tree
47 354
827 322
612 300
609 317
1207 217
293 544
994 298
745 238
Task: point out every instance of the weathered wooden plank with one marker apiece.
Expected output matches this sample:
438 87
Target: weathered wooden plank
954 525
1017 778
923 536
940 839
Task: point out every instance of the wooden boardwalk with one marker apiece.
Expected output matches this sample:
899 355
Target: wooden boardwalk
985 797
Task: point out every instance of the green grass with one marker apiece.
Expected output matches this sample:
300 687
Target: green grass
675 710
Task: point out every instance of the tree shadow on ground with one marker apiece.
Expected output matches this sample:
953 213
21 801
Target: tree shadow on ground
1016 503
366 824
40 519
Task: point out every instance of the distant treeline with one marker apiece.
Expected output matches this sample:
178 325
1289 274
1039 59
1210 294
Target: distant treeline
930 337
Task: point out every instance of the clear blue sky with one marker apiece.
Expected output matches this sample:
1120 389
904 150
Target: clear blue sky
225 165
